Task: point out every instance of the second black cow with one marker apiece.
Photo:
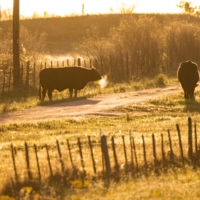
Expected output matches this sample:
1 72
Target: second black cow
188 75
73 78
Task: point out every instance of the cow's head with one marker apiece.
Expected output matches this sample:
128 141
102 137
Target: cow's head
95 74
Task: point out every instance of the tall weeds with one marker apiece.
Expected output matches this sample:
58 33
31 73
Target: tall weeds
143 45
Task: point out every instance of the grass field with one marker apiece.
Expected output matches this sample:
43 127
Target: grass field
157 116
160 115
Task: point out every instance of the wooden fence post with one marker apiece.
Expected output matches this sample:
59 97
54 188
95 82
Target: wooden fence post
68 62
90 63
37 160
135 154
27 161
131 146
163 152
92 155
190 151
154 153
14 164
79 62
196 145
9 80
125 155
81 154
180 145
49 162
171 149
60 156
34 74
27 73
102 158
70 155
111 66
105 154
144 154
127 66
115 155
4 80
22 74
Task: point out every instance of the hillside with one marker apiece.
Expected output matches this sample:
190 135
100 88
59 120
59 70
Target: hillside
63 32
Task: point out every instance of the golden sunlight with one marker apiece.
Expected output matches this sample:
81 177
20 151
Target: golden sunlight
64 7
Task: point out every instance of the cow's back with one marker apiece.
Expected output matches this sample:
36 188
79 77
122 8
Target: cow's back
65 77
188 72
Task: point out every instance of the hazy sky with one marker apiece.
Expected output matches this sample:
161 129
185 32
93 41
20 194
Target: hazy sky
66 7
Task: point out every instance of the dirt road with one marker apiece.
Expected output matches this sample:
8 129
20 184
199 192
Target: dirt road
102 105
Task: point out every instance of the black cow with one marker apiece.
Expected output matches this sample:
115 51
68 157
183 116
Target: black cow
188 75
73 78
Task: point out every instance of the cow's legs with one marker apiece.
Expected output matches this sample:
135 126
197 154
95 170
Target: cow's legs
191 93
185 89
44 90
50 94
71 92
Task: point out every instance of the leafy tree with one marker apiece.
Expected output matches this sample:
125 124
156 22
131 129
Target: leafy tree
32 46
186 6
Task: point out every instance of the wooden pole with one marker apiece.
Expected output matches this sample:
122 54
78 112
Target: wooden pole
60 156
92 155
163 152
180 145
135 154
49 162
190 151
16 51
105 154
70 155
125 155
171 149
144 154
27 161
37 160
196 145
14 164
154 153
131 146
115 154
81 154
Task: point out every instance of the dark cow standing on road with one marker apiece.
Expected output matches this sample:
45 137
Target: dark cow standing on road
188 75
73 78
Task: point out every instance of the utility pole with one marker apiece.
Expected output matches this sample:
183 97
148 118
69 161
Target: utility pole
83 9
0 12
16 54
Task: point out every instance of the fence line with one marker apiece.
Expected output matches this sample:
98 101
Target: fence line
152 157
29 71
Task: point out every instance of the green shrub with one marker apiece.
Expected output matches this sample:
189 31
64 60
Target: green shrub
161 80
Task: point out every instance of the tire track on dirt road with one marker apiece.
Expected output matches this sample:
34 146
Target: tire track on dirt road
101 105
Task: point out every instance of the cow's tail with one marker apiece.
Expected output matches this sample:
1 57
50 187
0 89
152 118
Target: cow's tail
40 97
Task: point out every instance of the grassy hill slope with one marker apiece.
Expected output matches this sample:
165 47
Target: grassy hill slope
63 32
